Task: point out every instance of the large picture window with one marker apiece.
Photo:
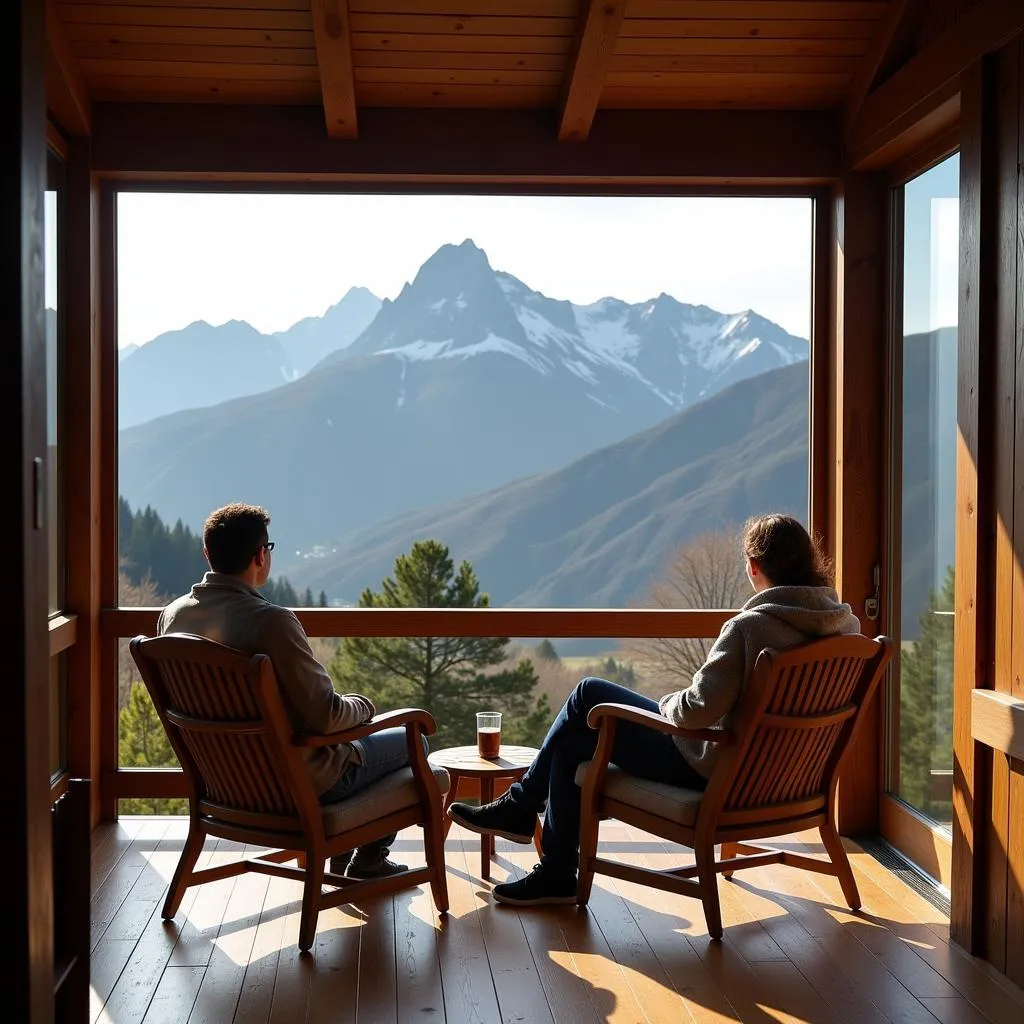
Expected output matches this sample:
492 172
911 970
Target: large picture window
583 398
564 390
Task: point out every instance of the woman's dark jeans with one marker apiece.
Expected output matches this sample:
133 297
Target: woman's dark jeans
551 779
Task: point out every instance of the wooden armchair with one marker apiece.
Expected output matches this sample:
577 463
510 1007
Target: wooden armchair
777 774
226 720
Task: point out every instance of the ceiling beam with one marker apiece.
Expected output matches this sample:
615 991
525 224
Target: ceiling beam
927 86
889 45
511 149
333 34
596 32
66 94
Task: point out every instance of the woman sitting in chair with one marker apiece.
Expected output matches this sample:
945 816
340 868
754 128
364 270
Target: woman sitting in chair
794 601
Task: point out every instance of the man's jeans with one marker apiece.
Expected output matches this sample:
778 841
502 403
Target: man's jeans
380 753
552 776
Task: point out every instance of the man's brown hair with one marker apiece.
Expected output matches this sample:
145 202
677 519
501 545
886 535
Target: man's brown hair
233 534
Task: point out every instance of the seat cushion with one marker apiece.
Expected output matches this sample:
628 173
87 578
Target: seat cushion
671 802
395 792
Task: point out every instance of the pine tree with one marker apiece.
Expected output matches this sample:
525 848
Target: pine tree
142 743
172 559
926 704
452 677
546 651
322 603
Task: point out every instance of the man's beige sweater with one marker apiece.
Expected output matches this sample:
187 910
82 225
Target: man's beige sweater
226 609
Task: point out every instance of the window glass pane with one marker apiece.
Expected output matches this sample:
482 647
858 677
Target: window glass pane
929 349
53 238
579 395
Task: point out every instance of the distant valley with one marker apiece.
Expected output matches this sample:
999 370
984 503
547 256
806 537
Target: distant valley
599 531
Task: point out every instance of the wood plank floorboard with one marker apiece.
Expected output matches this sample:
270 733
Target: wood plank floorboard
793 951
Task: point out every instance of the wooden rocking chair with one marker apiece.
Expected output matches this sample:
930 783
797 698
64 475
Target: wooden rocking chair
777 774
226 720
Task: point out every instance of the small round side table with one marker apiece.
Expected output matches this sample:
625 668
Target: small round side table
466 763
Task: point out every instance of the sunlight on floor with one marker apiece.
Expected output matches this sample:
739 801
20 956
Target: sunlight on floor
792 952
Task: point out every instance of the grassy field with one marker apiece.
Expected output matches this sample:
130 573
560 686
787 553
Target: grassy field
581 662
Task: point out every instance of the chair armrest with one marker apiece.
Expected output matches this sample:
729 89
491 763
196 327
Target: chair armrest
652 721
389 720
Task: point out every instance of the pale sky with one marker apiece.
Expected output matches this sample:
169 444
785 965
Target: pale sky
274 259
931 262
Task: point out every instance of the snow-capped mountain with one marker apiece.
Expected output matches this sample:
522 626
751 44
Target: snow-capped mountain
466 381
316 337
202 365
458 306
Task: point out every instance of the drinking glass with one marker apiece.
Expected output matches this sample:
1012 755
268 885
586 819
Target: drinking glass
488 733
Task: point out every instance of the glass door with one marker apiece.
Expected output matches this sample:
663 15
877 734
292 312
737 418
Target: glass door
926 228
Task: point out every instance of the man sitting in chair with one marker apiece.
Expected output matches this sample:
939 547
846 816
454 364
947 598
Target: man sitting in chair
226 606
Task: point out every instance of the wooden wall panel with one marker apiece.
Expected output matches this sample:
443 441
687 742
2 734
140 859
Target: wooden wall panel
973 512
28 958
988 852
1005 90
1015 675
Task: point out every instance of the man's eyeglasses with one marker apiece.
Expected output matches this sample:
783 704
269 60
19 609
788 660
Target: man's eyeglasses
269 546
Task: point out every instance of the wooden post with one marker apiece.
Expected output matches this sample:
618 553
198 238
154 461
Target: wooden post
108 506
24 754
858 383
821 513
972 783
81 443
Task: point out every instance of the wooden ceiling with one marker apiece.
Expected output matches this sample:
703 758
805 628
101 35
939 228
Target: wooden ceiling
572 55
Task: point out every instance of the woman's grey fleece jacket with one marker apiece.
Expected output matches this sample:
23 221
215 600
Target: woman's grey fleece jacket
777 617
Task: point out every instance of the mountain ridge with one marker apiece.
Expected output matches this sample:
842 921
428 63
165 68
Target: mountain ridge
467 380
599 530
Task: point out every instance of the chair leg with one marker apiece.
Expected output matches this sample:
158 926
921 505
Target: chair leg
183 872
310 901
433 847
837 854
729 850
590 826
705 856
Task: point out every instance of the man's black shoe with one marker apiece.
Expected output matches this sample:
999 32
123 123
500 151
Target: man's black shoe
542 885
501 817
337 864
375 864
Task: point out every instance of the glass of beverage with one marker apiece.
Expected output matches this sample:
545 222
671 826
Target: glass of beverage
488 733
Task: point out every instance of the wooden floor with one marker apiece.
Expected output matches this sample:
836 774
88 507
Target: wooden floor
792 951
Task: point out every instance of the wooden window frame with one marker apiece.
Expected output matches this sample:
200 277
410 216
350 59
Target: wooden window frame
62 626
117 623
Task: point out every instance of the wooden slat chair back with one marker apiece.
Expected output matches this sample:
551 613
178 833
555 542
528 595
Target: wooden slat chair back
228 725
777 773
219 711
797 719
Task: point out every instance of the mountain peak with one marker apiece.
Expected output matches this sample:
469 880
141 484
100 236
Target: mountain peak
358 291
451 258
451 271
